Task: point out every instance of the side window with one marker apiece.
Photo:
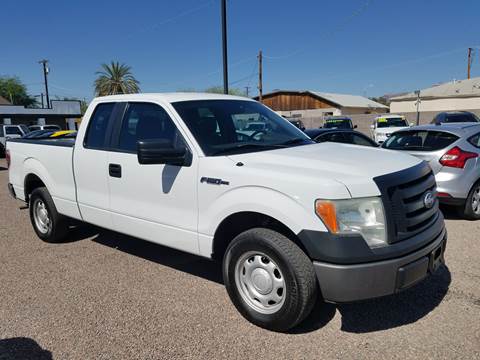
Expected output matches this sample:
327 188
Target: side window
360 140
475 140
13 130
97 128
146 121
1 131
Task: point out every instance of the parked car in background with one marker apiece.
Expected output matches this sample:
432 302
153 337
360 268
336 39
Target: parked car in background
297 123
10 132
344 136
45 134
452 151
288 218
338 122
44 127
455 117
383 126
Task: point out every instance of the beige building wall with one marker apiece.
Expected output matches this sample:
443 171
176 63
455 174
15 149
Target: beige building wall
437 105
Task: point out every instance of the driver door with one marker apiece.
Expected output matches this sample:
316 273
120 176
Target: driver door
155 202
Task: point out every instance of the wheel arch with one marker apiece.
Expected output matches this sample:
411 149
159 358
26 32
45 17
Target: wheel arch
238 222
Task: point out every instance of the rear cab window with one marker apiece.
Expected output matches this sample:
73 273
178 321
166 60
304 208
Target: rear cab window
421 140
475 140
95 137
13 130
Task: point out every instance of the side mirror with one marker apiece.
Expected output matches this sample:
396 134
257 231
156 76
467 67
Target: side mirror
162 151
410 124
355 126
372 127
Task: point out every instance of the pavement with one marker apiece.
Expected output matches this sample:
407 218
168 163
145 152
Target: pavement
103 295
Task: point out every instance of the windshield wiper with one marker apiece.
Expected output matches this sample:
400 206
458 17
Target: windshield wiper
244 147
293 141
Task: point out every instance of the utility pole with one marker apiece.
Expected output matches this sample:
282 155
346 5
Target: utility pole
41 96
418 106
45 73
224 46
247 88
469 66
260 76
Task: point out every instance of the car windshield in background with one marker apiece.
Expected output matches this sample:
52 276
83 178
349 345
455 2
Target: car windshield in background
391 122
457 118
420 140
224 127
338 124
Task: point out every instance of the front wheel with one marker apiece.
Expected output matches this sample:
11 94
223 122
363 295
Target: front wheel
49 225
269 279
471 209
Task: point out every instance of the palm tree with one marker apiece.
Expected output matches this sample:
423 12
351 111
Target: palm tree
115 78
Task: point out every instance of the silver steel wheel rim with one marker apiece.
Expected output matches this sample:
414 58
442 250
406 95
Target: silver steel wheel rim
41 217
260 282
476 201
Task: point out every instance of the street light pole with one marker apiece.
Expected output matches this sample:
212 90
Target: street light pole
45 73
224 46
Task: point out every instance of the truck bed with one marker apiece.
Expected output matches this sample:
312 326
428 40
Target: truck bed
50 160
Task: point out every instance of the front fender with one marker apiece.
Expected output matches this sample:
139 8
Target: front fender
261 200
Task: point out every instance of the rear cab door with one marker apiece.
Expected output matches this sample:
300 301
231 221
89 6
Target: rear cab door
91 162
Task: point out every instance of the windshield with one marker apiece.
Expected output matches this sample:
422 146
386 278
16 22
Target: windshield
222 127
420 140
460 117
338 124
391 122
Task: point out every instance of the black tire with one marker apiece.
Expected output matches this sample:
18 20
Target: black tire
296 269
467 211
58 224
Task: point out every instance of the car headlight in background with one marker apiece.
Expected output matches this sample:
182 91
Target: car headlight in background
364 216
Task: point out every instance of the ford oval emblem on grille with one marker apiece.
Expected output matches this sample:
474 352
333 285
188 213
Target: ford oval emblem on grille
428 199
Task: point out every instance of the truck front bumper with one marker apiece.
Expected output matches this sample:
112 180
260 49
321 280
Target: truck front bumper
348 283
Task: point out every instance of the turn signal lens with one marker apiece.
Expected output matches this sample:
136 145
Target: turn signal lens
326 211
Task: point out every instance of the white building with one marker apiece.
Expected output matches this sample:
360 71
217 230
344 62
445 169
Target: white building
455 95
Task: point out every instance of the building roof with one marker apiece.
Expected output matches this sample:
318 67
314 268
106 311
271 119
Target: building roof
341 100
59 107
350 100
4 101
453 89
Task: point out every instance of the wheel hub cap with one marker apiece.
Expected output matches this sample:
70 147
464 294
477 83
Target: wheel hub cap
260 282
41 217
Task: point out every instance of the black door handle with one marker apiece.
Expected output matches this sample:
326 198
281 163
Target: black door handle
115 170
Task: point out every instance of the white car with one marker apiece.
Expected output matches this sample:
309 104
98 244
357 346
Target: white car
10 132
383 126
288 218
44 127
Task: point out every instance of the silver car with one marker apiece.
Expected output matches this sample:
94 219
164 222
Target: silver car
452 151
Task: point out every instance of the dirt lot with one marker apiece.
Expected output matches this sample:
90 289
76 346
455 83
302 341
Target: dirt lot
107 296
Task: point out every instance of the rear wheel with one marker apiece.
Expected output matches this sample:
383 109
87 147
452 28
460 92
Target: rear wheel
471 209
48 224
269 279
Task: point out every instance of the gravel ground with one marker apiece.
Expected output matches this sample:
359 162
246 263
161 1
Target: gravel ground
107 296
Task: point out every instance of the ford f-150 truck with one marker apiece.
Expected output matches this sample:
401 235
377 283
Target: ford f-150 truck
291 220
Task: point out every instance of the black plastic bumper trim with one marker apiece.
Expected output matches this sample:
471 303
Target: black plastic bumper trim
11 191
349 283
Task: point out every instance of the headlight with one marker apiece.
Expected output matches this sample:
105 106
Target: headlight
364 216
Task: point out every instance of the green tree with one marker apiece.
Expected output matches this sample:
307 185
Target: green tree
231 91
114 79
12 89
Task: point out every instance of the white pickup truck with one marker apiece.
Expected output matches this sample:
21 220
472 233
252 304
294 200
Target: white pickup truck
290 219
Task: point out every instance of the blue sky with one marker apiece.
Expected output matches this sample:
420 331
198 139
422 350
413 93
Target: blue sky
347 46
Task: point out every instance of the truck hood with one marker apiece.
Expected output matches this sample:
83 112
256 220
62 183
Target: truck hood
352 165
